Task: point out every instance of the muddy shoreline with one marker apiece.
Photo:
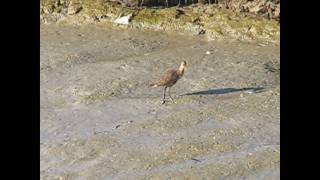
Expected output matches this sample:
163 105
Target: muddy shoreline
210 21
101 120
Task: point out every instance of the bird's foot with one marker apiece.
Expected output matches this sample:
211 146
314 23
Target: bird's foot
164 100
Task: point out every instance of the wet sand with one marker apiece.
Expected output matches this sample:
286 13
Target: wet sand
101 120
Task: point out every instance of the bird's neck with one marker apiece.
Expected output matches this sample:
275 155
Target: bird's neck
181 71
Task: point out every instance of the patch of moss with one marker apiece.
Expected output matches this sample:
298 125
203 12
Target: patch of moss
152 16
222 22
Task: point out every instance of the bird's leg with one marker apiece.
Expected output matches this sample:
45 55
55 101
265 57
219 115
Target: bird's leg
164 95
170 95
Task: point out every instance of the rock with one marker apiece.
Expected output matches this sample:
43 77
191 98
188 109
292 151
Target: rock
261 44
74 8
201 32
276 13
124 19
130 3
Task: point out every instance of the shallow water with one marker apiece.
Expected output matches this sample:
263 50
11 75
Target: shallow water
101 120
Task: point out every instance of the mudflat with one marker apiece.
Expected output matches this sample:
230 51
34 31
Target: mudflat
100 119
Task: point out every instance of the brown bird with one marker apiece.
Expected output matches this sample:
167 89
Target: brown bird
169 78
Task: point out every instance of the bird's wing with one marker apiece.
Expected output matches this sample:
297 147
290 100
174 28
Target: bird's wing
166 77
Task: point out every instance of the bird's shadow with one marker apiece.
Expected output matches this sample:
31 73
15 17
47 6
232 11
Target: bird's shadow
225 91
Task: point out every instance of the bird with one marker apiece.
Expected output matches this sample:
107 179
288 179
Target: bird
170 78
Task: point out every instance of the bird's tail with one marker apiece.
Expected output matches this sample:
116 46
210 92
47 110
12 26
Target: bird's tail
153 84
